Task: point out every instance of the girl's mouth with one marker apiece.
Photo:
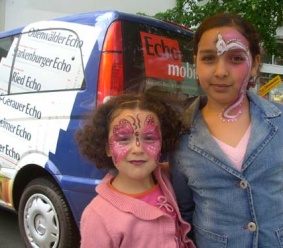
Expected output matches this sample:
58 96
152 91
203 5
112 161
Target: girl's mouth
137 162
220 87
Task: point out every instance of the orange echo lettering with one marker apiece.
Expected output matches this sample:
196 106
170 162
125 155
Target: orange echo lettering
165 51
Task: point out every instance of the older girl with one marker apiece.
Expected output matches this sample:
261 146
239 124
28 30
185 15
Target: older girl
228 170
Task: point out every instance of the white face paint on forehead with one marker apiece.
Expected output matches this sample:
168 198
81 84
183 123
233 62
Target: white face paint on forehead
222 46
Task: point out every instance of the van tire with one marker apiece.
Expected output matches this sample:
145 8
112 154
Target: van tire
45 219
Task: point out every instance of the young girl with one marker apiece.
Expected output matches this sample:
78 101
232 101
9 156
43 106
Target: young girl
135 205
228 169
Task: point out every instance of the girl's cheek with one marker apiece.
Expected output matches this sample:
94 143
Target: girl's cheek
119 151
242 70
153 150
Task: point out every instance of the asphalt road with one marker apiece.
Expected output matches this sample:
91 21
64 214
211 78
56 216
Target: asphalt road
9 230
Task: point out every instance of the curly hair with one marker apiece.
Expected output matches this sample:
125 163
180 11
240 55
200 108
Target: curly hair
93 137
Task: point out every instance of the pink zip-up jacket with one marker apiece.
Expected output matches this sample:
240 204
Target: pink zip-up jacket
114 220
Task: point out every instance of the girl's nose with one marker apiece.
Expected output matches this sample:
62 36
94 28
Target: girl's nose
221 67
136 145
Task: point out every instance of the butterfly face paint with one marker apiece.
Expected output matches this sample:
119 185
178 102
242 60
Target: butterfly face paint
135 132
151 138
223 46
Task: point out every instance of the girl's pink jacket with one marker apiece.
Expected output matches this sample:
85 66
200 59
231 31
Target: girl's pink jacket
113 220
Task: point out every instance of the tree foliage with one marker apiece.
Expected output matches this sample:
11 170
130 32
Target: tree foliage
266 15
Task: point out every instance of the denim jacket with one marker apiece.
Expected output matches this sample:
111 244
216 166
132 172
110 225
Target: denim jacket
230 208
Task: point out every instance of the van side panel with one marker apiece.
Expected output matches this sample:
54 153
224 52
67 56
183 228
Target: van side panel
52 86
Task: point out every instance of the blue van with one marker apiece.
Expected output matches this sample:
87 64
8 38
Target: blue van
51 74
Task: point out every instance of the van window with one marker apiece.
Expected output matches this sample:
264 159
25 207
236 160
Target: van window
40 61
5 45
159 58
137 57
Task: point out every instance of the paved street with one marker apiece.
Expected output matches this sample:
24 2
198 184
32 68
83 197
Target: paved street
9 230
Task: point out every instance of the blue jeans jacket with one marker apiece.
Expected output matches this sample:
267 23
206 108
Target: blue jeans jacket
227 207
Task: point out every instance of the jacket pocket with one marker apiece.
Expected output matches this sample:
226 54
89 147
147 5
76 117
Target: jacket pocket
279 234
206 239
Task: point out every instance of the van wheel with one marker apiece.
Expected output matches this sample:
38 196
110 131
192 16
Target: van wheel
45 219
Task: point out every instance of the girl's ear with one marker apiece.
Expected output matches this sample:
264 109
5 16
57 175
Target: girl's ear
108 151
255 66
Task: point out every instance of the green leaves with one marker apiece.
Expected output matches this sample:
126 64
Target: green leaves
266 15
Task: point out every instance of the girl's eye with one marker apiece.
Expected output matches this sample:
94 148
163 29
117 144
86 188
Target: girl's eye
122 138
208 58
150 138
237 59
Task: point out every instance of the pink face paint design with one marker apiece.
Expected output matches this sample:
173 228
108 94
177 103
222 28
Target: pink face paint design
232 44
152 138
136 125
121 141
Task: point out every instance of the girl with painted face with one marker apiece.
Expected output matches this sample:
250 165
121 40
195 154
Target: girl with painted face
135 205
227 171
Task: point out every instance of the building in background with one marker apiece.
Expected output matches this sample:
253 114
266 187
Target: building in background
15 13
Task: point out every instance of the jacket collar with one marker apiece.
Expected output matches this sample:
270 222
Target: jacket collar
268 109
200 140
129 204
